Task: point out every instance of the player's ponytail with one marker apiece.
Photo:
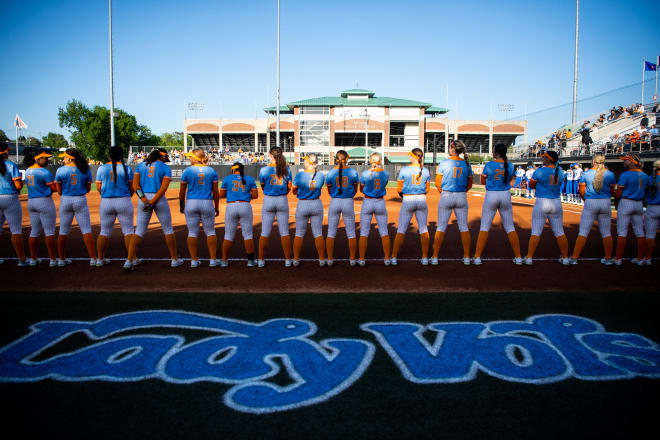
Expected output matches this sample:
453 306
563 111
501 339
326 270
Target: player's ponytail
460 148
280 161
28 157
374 163
117 156
599 165
79 159
554 157
313 160
656 168
241 170
4 149
341 157
500 150
419 154
153 157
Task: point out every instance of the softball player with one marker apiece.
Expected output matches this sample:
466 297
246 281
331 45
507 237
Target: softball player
199 183
373 184
115 184
413 184
307 187
497 176
275 179
528 177
43 216
453 180
577 175
11 184
151 180
74 181
570 182
564 187
547 181
630 192
652 215
342 185
596 187
520 179
239 190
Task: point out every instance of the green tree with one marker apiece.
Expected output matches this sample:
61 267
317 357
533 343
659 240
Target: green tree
146 137
3 136
174 139
32 142
55 140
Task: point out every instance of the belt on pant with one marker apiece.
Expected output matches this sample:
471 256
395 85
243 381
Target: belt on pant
238 201
374 198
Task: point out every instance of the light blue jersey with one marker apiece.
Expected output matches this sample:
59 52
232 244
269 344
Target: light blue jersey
111 189
73 181
413 182
455 173
349 178
7 181
634 183
271 183
494 172
200 180
308 188
236 190
37 179
653 199
152 175
590 192
547 183
375 182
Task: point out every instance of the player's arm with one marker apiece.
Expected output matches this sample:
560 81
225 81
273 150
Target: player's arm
182 195
58 185
582 188
532 183
469 183
399 187
355 187
18 183
130 188
254 193
288 187
612 189
99 185
216 197
138 188
438 182
428 187
52 185
483 178
618 193
362 187
165 184
88 186
329 187
294 190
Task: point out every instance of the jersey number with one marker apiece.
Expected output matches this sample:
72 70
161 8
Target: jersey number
200 181
312 185
554 180
30 180
151 172
416 179
74 179
274 180
458 172
498 174
376 183
238 186
640 183
344 181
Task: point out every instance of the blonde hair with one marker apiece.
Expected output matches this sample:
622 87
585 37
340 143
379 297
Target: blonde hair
599 166
200 155
656 168
373 155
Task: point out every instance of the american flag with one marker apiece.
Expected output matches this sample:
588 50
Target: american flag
18 122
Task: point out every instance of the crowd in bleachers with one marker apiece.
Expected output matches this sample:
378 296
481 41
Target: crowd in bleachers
217 156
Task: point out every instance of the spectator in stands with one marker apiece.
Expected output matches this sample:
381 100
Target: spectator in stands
644 123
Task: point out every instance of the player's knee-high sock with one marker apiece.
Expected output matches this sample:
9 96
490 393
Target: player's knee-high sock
579 245
562 242
212 243
320 246
398 242
263 245
88 239
352 248
33 242
101 246
466 239
386 246
608 245
286 246
192 247
61 246
620 247
127 241
533 244
425 241
170 240
481 243
650 245
515 243
17 243
249 247
132 248
297 247
226 247
51 246
437 243
363 247
330 247
641 248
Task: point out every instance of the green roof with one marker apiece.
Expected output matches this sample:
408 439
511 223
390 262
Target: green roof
379 101
345 93
273 109
428 158
358 152
433 109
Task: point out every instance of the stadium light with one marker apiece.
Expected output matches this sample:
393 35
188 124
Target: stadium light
195 107
506 108
277 80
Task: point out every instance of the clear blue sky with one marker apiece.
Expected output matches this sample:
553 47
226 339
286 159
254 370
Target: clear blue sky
222 53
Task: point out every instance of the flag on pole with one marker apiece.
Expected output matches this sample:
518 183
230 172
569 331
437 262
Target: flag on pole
18 122
650 66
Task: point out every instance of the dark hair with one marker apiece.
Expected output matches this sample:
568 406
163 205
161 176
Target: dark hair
501 149
280 161
153 156
419 154
241 170
29 155
4 147
555 158
79 158
460 147
117 155
340 158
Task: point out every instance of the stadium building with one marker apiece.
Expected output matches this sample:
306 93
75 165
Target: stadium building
357 121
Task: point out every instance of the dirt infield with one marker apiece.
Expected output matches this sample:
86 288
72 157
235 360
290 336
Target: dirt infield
496 274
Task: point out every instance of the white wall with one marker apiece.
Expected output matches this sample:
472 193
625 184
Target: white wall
411 134
357 112
404 114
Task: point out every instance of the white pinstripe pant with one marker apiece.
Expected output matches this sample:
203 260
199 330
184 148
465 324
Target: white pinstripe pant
163 213
371 208
413 204
235 213
596 209
630 211
10 210
312 211
120 208
71 206
493 202
456 201
551 210
346 209
275 206
42 216
651 220
200 210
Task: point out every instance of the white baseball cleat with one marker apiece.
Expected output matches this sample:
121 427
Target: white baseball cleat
424 261
33 261
637 262
466 261
352 262
573 261
362 263
518 261
606 262
195 263
102 262
64 262
393 261
24 263
136 261
92 262
564 261
224 263
52 263
176 262
296 263
128 265
322 263
386 262
331 262
287 263
477 261
617 262
261 263
214 263
529 261
251 263
434 261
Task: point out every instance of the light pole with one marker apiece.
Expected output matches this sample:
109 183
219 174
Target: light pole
195 107
112 92
575 68
277 79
